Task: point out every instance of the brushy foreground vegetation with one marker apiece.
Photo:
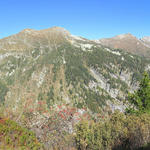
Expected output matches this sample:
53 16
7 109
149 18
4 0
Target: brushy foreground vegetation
116 132
13 136
119 132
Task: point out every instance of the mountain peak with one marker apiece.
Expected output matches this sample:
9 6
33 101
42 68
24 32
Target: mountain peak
27 30
126 35
54 29
129 43
57 28
30 38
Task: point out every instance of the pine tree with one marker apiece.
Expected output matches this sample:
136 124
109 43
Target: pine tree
140 99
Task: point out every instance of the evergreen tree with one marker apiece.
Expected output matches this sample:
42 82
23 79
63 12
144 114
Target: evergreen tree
140 99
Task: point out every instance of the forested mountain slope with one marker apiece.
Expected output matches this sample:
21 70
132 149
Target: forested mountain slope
56 67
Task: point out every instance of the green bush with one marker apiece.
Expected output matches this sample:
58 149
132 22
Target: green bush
140 99
13 136
119 132
3 91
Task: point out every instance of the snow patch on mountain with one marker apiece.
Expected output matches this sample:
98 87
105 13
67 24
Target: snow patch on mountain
84 47
114 52
77 38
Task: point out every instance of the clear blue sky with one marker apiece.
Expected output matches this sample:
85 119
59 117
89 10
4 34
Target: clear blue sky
92 19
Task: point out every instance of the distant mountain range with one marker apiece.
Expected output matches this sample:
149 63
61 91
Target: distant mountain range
54 66
28 37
